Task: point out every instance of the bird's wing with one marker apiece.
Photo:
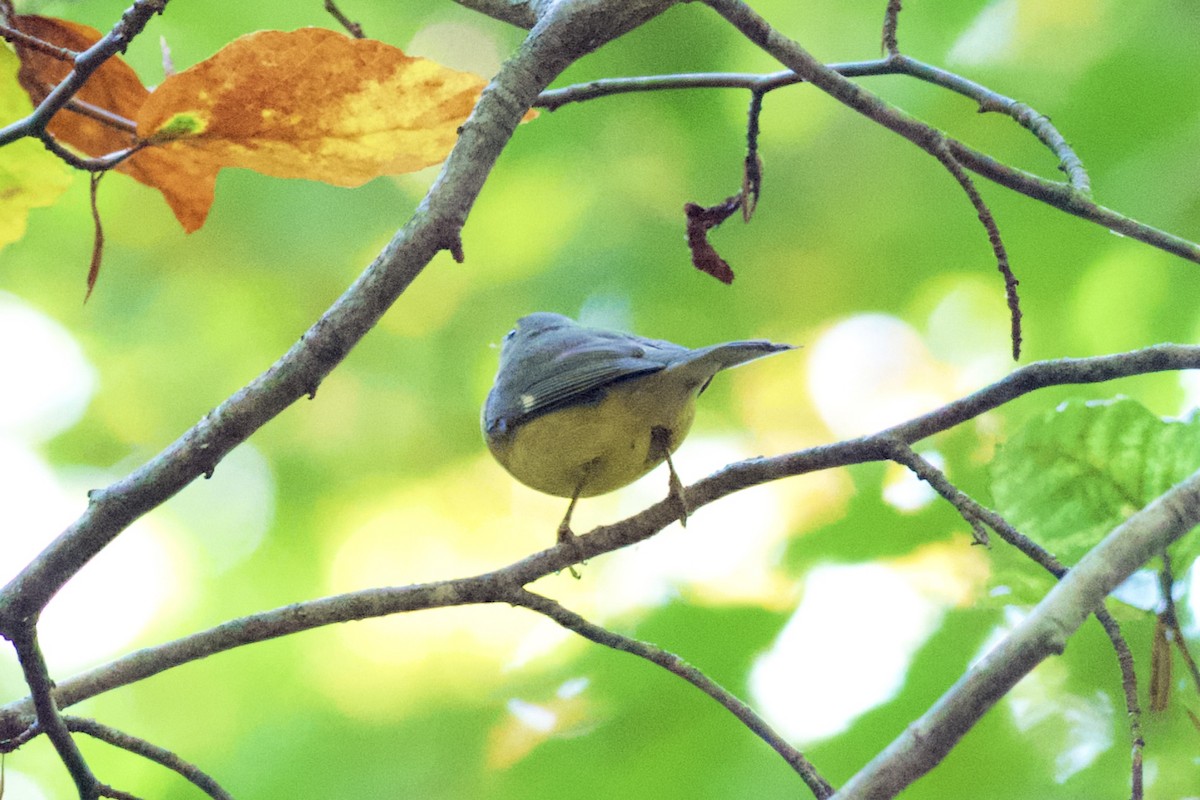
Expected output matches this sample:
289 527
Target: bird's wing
578 372
577 379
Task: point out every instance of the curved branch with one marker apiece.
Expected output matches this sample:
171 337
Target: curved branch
496 586
993 102
1041 634
987 99
93 165
976 516
151 752
942 154
677 666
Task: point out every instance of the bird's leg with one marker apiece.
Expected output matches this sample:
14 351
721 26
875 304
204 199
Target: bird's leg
660 438
565 534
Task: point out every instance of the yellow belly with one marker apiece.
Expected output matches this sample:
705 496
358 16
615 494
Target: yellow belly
593 449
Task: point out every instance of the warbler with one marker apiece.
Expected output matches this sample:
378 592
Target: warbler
578 411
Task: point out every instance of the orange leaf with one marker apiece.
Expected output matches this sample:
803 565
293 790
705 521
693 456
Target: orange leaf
114 87
186 181
313 103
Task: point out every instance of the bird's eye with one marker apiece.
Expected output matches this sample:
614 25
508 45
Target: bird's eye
510 334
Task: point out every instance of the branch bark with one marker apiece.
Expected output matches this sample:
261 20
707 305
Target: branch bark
1043 633
497 586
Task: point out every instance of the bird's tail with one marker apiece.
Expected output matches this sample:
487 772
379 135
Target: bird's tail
705 362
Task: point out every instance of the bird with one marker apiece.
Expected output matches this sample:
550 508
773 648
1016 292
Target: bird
577 411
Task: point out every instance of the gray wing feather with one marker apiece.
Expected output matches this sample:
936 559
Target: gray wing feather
577 372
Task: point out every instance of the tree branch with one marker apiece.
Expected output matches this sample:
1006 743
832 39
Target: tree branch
497 586
151 752
891 19
37 678
942 153
132 22
977 515
677 666
1065 197
1044 632
967 508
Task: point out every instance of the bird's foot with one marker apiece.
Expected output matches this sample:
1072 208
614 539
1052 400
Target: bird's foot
675 493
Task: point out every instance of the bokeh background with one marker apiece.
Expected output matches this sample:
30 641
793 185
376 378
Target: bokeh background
840 605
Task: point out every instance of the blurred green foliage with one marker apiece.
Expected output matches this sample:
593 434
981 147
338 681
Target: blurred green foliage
383 477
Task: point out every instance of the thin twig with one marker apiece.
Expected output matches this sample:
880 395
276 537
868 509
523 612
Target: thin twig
974 514
1170 616
752 165
987 99
152 752
41 687
967 508
677 666
97 233
352 27
99 164
993 102
1133 709
942 153
104 117
132 23
891 18
93 165
34 43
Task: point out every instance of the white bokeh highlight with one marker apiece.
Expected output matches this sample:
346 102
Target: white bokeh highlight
47 380
989 37
904 491
846 649
48 385
871 371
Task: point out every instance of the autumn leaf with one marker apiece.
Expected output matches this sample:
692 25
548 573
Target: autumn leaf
313 103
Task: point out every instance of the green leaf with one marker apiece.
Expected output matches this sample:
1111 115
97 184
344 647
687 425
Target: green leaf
1071 475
